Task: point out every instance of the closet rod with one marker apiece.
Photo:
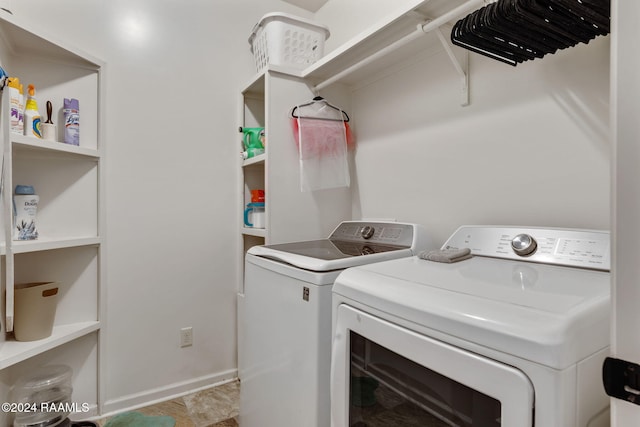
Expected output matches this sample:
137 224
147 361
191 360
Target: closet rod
421 30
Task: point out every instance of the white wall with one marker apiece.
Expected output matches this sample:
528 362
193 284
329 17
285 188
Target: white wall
173 73
531 149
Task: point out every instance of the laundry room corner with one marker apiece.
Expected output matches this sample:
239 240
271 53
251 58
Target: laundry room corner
314 213
171 79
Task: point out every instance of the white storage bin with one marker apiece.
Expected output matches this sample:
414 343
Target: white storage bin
35 310
287 40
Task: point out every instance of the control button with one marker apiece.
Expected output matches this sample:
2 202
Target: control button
367 232
524 245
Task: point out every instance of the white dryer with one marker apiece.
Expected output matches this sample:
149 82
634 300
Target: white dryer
286 344
514 336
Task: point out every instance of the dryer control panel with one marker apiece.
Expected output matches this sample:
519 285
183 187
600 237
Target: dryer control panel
569 247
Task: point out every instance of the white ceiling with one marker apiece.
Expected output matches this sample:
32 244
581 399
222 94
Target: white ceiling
310 5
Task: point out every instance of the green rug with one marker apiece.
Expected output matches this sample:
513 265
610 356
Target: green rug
136 419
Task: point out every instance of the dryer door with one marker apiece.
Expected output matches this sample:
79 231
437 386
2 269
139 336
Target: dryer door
383 374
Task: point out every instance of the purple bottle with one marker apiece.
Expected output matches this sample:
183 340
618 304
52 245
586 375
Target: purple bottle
71 121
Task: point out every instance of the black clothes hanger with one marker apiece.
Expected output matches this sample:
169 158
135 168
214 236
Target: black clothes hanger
514 31
345 117
475 32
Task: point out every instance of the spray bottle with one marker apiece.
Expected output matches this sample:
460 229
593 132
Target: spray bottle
32 117
14 100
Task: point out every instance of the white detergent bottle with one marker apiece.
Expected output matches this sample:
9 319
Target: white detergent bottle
32 117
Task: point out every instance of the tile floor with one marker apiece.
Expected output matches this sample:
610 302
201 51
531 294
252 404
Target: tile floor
213 407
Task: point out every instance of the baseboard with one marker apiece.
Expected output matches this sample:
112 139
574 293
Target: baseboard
90 414
160 394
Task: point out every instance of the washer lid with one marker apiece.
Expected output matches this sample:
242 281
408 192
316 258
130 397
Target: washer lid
326 255
552 315
352 243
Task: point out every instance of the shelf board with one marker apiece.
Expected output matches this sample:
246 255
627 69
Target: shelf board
257 232
26 143
44 244
12 352
254 160
23 38
383 33
255 86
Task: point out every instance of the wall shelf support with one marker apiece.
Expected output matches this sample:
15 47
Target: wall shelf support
462 67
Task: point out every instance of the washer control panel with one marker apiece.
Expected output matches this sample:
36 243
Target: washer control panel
570 247
388 233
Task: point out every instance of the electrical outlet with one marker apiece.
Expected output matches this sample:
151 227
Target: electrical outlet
186 336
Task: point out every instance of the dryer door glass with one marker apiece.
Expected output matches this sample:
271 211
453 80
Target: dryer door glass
387 389
383 374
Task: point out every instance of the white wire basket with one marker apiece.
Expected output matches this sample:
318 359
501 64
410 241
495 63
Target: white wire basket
286 40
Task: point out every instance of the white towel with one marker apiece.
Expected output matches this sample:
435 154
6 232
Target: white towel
446 255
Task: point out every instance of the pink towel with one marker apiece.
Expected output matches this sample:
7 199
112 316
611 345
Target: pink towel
323 154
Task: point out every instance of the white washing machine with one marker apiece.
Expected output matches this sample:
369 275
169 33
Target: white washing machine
514 336
286 348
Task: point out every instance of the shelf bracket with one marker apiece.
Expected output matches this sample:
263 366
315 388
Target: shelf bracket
462 67
422 28
313 88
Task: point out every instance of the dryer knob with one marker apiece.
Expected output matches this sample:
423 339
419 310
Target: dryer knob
367 232
524 245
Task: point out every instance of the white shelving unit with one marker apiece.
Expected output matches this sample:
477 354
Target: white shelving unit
266 100
290 213
69 180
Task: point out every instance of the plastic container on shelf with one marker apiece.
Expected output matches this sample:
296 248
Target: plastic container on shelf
253 141
257 196
25 208
71 121
35 310
287 40
45 395
254 215
32 118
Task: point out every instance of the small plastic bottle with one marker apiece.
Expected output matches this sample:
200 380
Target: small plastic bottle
32 117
